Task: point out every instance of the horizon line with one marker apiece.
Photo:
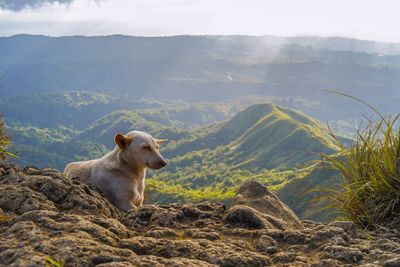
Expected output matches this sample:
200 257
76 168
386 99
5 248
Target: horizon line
208 35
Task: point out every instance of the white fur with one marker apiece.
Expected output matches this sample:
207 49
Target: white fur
121 173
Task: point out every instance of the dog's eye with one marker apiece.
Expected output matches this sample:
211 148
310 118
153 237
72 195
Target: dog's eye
147 148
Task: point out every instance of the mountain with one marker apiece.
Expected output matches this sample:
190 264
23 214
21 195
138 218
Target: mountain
206 68
267 142
264 136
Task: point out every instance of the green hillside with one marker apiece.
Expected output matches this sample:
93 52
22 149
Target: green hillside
267 142
299 193
261 136
78 109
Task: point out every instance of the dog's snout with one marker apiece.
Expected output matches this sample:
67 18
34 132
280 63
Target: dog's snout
162 163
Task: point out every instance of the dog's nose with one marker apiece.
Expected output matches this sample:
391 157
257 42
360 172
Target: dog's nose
162 163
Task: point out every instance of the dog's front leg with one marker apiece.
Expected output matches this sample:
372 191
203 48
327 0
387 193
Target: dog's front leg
139 202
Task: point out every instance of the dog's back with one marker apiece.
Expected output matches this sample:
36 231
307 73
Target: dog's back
81 169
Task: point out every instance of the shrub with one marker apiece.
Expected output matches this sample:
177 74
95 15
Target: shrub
370 170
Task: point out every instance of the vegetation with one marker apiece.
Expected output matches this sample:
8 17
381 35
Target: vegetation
302 191
4 141
78 109
370 169
50 262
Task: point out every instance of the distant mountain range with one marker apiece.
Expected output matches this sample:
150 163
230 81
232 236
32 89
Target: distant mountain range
208 68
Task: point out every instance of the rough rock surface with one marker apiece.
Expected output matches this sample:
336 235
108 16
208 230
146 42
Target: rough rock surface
43 214
254 194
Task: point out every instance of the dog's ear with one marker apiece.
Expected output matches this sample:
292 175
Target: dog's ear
160 141
122 141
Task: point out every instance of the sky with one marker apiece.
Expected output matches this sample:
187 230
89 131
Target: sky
363 19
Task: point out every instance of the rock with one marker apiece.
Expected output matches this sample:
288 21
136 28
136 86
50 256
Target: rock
344 253
204 233
215 252
254 194
392 263
150 261
265 242
294 237
328 234
349 227
43 213
301 258
284 257
2 172
247 217
327 263
36 189
158 232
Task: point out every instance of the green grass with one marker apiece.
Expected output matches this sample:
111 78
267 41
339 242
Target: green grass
53 263
370 169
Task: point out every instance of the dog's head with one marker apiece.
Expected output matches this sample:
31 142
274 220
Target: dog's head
140 149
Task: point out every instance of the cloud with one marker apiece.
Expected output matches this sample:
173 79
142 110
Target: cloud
378 20
18 5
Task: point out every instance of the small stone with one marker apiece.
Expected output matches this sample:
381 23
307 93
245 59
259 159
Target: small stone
344 253
386 245
271 250
392 263
301 258
284 257
265 242
161 232
205 235
294 237
348 226
328 234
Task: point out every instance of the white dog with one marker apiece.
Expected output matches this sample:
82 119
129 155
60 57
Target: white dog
120 174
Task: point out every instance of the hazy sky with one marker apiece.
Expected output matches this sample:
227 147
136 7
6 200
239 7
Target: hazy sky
365 19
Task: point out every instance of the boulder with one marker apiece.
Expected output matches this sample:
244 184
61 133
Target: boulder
257 196
247 217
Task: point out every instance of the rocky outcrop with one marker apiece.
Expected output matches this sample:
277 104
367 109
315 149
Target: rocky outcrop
254 194
43 214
